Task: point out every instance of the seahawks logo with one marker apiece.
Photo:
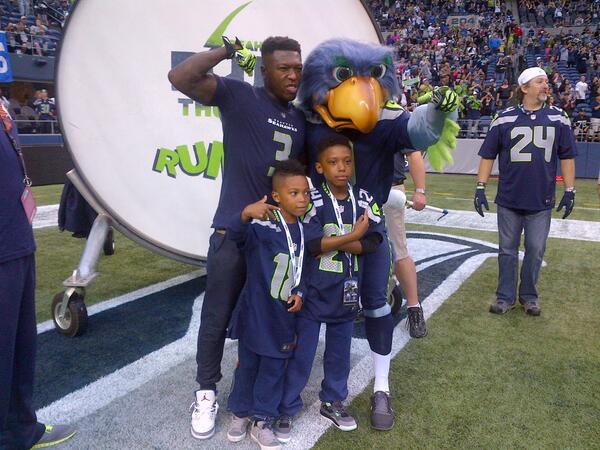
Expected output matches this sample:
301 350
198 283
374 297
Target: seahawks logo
134 340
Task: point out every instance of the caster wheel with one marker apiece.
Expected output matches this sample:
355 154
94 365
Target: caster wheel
74 321
109 243
395 300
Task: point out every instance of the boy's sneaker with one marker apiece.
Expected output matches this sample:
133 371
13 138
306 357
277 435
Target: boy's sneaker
382 414
417 328
262 433
283 429
54 435
204 412
532 308
336 412
238 428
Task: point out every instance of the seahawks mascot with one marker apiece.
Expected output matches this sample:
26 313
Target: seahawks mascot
348 87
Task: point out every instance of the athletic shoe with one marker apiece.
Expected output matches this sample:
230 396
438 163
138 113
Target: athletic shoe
262 433
501 307
336 412
238 428
204 412
283 428
532 308
382 414
54 435
417 328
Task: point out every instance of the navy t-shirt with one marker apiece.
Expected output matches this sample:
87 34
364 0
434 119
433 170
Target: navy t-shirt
373 152
257 131
326 274
16 235
527 146
261 319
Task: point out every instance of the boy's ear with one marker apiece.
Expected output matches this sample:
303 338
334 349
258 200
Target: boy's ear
319 168
275 196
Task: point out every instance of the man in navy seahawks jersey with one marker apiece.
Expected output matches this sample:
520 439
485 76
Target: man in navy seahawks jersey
264 319
529 141
260 127
334 272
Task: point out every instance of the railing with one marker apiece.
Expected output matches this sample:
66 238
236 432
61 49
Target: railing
36 44
584 130
37 126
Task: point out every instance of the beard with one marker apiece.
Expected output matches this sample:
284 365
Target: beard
542 97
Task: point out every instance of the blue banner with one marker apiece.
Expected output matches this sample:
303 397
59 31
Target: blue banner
6 75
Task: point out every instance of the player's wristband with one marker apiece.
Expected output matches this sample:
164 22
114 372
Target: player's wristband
420 190
480 185
570 189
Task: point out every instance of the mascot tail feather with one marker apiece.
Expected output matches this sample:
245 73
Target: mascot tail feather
439 153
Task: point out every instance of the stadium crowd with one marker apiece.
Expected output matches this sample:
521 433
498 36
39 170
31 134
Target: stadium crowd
481 57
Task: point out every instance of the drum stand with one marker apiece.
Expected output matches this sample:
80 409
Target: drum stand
68 308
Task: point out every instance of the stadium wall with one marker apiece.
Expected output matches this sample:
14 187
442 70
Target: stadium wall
466 160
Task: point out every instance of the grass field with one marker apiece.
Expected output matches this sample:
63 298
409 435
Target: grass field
478 381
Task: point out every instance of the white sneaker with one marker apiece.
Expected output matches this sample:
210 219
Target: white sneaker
204 412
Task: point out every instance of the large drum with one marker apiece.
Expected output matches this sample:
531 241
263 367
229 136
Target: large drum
148 155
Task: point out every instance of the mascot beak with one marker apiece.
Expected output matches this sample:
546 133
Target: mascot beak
353 104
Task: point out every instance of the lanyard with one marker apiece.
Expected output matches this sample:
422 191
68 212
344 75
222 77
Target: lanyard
296 262
338 216
17 148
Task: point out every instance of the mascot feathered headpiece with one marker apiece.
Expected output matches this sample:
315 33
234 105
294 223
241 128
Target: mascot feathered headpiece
347 83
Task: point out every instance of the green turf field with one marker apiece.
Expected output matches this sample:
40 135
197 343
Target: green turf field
478 381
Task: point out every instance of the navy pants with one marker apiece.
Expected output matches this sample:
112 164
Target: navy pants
257 385
336 363
226 273
511 223
19 428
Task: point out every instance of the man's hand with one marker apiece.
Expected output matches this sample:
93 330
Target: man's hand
361 226
419 201
480 200
568 202
243 57
294 303
259 210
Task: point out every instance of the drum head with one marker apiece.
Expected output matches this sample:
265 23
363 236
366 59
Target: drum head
146 153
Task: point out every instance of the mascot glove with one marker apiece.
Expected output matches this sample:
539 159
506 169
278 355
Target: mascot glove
568 202
445 99
480 200
439 153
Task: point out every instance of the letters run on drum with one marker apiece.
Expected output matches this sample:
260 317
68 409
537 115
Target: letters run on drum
208 162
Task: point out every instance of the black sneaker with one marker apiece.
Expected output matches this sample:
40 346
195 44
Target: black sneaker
382 414
417 328
336 412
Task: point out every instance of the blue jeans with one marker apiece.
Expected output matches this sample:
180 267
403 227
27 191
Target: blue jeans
511 223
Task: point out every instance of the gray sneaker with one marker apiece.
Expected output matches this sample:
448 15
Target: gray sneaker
262 433
237 429
501 307
382 414
336 412
283 428
532 308
54 435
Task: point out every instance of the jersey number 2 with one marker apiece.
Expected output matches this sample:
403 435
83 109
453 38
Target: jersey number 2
528 135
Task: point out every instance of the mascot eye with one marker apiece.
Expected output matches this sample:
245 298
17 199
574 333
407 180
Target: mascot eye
342 73
378 71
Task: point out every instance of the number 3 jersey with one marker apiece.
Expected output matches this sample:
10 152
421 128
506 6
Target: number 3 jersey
261 319
323 301
257 131
527 145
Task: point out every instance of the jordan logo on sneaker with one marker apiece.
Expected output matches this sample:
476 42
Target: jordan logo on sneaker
205 398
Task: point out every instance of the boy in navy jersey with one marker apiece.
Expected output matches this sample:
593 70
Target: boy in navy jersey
351 224
273 241
528 141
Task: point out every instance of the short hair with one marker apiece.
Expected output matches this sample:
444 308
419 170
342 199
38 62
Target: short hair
330 140
288 168
274 43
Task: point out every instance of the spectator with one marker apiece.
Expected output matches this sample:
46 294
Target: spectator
580 125
595 120
581 90
504 95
